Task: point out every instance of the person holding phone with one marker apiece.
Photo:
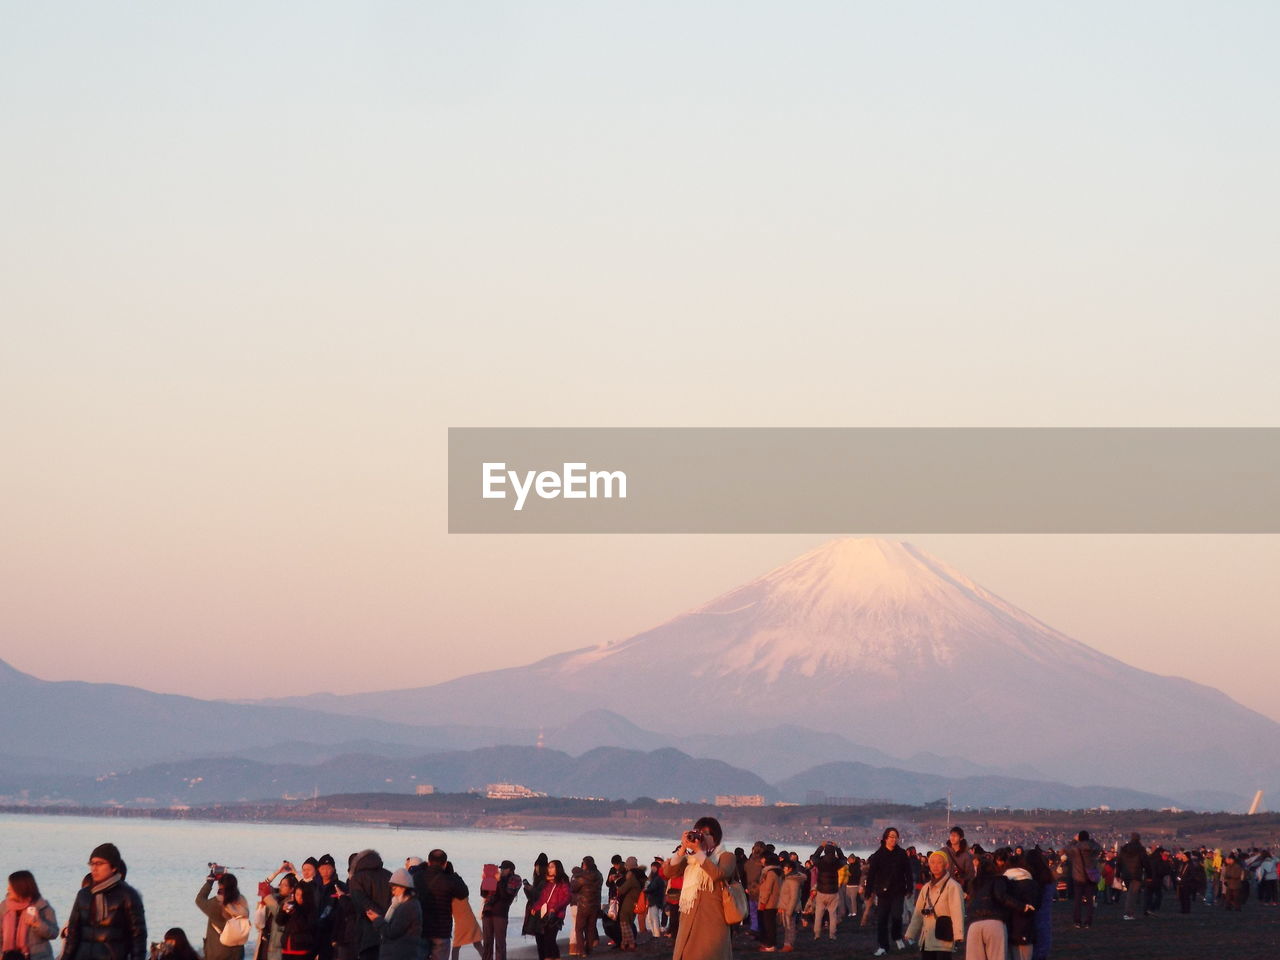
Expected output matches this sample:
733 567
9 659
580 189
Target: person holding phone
26 919
401 926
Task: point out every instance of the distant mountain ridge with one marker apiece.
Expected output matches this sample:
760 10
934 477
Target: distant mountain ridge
861 636
884 639
108 725
607 772
610 773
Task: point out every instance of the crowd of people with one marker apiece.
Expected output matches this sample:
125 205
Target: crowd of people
955 898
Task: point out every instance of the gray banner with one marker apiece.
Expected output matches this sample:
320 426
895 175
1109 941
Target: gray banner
856 480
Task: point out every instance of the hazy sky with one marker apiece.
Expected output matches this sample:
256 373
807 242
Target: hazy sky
256 259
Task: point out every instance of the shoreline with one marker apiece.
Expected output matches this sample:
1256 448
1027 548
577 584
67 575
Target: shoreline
851 827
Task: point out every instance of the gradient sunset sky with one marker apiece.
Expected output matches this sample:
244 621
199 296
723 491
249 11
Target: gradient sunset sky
258 258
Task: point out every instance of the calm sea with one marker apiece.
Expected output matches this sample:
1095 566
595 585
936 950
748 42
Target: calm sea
168 860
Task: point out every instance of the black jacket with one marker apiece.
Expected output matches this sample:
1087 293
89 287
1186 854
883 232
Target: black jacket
532 890
1133 861
1190 875
828 860
121 934
297 923
369 886
326 908
989 899
344 933
498 903
889 872
1021 891
437 889
656 888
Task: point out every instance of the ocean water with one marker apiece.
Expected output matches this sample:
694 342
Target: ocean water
168 860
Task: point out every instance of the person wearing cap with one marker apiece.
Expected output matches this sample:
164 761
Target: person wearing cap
328 890
496 912
400 928
107 920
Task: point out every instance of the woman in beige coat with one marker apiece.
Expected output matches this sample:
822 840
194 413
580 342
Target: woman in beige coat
706 867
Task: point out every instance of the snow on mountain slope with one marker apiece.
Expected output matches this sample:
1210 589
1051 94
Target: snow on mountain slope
891 647
869 606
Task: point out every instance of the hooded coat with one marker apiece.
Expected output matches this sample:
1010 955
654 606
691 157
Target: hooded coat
369 887
791 895
1023 891
770 886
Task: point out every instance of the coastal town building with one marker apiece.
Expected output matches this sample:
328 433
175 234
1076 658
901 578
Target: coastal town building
739 800
509 791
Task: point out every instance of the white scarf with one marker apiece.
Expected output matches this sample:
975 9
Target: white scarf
696 880
395 902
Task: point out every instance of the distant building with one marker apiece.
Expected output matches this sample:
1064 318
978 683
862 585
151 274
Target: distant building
424 789
739 800
668 799
510 791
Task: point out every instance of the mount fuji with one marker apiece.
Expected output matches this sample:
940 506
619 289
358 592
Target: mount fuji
891 647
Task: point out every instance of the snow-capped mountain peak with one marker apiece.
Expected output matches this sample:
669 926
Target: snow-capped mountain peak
867 605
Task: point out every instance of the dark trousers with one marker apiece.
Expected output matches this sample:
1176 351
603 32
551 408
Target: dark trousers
494 930
1155 895
673 920
768 926
584 928
889 915
1083 912
547 945
1044 923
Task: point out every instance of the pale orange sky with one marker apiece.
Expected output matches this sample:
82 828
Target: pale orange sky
262 259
